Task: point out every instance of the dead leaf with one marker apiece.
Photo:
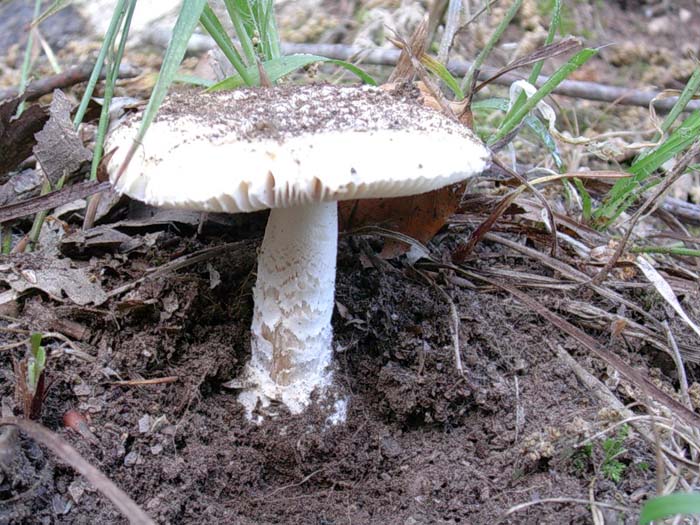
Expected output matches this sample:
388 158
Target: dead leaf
418 216
59 149
98 240
17 134
22 185
56 277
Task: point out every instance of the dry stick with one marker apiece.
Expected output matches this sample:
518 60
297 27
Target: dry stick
685 211
571 273
653 201
144 382
51 200
680 367
70 77
580 501
569 88
63 450
389 57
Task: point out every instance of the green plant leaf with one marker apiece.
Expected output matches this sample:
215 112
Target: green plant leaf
187 20
625 192
107 44
193 80
279 67
244 24
586 200
516 114
535 124
35 342
110 81
215 28
51 10
442 72
40 358
670 505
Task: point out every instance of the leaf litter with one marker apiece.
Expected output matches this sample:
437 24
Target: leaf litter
425 440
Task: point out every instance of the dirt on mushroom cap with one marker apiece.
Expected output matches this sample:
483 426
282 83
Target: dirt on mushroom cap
292 110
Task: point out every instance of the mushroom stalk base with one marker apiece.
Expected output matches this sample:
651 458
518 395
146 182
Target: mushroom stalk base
294 297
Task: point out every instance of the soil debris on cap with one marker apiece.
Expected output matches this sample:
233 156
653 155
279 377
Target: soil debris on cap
283 112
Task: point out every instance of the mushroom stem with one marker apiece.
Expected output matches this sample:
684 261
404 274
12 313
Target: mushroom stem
294 298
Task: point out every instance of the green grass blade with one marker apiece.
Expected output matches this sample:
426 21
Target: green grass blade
279 67
50 11
187 20
35 342
670 505
515 116
443 74
267 29
247 15
624 192
667 250
537 68
553 28
495 37
586 200
215 28
686 95
27 60
110 81
193 80
107 43
542 132
535 124
184 27
242 20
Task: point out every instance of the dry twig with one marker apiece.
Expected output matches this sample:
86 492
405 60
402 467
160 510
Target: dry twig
62 449
69 77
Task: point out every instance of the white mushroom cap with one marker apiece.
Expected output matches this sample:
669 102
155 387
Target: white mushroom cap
252 149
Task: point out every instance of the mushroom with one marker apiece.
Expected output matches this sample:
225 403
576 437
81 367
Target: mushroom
295 150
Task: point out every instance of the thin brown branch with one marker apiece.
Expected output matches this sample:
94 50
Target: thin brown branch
51 200
67 453
569 88
567 45
540 197
145 382
69 77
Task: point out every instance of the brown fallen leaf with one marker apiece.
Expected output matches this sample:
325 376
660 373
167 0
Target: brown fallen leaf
58 279
17 134
418 216
59 149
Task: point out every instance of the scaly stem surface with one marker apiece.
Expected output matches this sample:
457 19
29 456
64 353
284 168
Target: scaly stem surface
294 297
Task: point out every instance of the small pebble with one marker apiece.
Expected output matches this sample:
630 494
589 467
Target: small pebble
131 459
76 490
81 389
145 424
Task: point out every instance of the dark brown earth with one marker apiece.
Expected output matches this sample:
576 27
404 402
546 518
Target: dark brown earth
421 445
